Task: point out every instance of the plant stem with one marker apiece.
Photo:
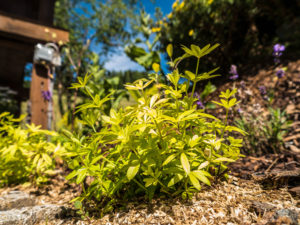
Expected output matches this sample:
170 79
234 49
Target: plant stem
225 124
194 83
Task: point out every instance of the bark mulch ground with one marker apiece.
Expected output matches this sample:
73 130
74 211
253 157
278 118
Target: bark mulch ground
238 201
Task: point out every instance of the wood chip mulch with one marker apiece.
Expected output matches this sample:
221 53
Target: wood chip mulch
237 201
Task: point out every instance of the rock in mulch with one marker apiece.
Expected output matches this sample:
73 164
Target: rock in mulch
31 215
15 200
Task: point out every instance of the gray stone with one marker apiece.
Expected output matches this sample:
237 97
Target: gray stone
15 200
31 215
284 216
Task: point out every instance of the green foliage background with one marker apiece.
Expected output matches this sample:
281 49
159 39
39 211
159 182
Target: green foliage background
246 30
26 154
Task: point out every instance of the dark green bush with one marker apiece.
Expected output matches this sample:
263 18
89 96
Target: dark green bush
246 29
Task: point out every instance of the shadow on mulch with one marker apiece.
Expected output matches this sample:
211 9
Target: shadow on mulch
273 171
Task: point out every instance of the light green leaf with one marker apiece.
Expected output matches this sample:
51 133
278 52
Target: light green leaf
149 181
185 163
187 50
194 181
203 165
81 174
233 102
196 50
153 100
201 175
223 159
169 159
133 169
183 115
178 177
218 103
190 75
47 158
232 128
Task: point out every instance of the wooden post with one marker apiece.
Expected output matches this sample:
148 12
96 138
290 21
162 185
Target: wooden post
39 106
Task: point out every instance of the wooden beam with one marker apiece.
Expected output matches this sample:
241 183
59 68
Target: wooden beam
32 30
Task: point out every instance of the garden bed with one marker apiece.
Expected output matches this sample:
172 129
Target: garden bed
260 190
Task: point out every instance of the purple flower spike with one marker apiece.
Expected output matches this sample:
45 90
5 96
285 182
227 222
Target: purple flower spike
200 104
47 95
233 69
243 85
278 49
234 77
233 72
276 60
280 73
262 90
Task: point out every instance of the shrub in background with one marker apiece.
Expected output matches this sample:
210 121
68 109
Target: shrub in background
25 154
8 102
162 145
246 29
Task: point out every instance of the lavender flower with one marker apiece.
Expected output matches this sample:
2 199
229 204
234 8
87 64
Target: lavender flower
280 73
233 72
262 89
239 110
243 85
199 103
263 92
276 60
278 49
47 95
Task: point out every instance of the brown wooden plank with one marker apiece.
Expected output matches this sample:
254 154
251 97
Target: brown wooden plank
39 106
32 30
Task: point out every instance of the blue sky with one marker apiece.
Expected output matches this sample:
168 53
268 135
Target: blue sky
120 62
165 5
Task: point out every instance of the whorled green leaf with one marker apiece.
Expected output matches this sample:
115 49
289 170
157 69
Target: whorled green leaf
185 163
175 179
202 176
133 169
194 181
169 159
223 159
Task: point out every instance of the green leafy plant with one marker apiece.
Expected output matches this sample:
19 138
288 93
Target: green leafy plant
265 133
81 210
97 84
276 127
25 154
162 145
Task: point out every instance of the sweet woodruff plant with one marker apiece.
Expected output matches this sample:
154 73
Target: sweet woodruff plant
161 145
